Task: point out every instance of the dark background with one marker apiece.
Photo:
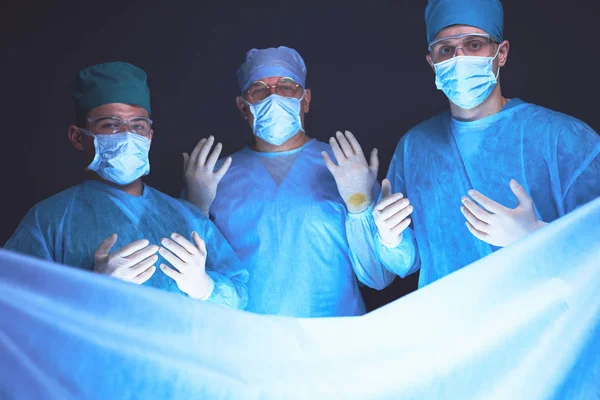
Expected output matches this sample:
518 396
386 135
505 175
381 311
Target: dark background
366 69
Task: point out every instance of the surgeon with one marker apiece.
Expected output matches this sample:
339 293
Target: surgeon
485 174
276 201
114 224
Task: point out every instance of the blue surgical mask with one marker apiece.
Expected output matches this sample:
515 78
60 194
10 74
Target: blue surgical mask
466 80
276 118
120 158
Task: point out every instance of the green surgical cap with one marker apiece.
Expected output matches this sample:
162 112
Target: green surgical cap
112 82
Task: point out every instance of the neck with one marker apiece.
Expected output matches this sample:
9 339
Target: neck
295 142
135 188
492 105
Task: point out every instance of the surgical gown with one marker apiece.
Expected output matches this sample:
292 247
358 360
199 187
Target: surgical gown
69 226
288 229
555 157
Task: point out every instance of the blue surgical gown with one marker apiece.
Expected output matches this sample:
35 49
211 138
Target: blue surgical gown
291 236
69 226
555 157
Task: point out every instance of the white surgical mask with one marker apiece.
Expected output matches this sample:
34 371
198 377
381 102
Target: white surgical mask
276 118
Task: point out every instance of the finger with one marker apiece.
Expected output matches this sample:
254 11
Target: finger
205 150
176 249
478 234
194 156
131 248
520 193
487 203
346 148
141 255
184 243
356 148
386 188
221 171
200 244
144 276
389 201
170 272
105 246
398 229
186 160
394 208
374 164
139 267
476 223
173 259
328 163
214 157
477 211
337 151
399 216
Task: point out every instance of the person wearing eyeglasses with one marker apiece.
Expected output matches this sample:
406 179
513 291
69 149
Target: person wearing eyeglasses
276 201
485 174
114 224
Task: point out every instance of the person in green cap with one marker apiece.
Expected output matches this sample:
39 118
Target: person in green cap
114 224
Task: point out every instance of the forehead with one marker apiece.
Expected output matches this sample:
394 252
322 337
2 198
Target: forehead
272 80
120 110
457 30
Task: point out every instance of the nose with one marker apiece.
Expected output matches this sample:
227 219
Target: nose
459 52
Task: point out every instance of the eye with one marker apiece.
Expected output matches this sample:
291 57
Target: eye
446 50
474 45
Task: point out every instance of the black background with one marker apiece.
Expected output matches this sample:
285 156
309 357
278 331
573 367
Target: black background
366 69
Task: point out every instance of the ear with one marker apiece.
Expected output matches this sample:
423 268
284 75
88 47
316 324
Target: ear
242 106
430 61
306 100
76 137
503 53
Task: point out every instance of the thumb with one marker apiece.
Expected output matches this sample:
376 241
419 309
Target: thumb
386 188
186 160
520 193
199 242
374 164
104 248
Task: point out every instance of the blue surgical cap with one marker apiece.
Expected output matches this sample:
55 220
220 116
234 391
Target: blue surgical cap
280 61
483 14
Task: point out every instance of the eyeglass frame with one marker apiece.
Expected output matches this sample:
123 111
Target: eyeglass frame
123 122
251 100
458 36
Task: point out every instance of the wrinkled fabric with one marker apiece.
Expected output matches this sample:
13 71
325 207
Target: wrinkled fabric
555 157
487 15
68 228
290 235
522 323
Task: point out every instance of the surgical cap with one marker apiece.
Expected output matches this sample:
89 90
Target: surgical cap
111 82
280 61
487 15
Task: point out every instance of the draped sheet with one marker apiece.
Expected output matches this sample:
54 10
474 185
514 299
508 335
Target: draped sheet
522 323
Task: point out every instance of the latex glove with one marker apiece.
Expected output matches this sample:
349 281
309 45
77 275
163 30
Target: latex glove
201 179
353 176
391 215
190 261
132 263
499 225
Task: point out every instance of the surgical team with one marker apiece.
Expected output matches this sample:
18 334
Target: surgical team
291 225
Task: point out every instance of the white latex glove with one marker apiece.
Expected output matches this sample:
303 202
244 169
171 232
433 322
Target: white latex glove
132 263
201 179
499 225
391 215
353 176
190 261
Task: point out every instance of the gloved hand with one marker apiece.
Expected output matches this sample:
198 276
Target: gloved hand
131 263
391 215
499 225
190 261
200 178
353 176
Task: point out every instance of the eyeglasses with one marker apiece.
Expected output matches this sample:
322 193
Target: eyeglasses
109 125
471 44
259 90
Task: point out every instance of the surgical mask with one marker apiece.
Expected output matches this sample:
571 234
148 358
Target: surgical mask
466 80
120 158
276 118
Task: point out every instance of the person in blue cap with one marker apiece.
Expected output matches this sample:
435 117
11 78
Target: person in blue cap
278 204
114 224
485 174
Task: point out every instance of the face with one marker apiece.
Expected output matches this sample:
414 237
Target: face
85 143
272 82
501 48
